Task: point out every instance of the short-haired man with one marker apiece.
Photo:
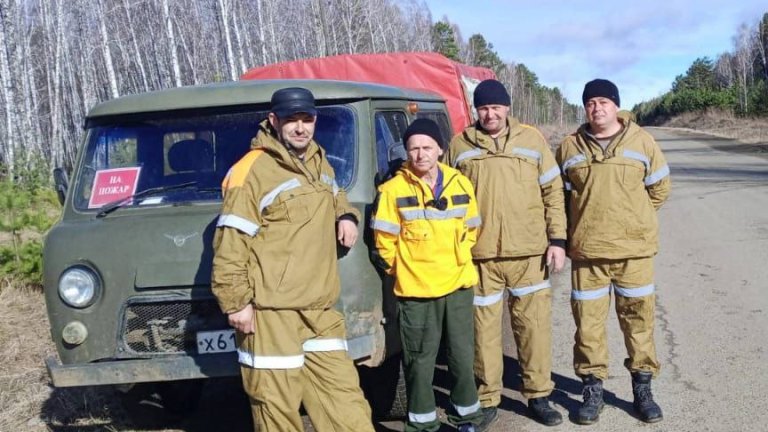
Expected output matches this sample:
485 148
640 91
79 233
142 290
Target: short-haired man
616 179
425 225
520 197
275 274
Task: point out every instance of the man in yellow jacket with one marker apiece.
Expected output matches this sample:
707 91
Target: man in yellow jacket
520 197
616 179
275 275
425 225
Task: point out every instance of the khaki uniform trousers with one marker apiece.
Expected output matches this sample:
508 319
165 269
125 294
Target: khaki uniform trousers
299 356
530 308
632 284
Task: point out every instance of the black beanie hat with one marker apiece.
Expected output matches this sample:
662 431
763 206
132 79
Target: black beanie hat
491 92
423 126
600 88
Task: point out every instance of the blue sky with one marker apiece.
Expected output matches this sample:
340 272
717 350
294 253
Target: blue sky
639 45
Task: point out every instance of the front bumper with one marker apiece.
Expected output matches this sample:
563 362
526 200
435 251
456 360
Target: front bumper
170 368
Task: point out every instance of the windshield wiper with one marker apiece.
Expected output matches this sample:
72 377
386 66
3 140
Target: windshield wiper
122 202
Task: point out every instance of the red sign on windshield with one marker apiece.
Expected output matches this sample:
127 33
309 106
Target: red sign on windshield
113 184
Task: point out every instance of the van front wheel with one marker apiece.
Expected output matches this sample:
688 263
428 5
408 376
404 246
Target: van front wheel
384 387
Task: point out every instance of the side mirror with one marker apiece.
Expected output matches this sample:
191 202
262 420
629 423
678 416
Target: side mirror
61 183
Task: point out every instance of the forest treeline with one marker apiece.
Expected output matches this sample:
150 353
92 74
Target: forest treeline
58 58
736 81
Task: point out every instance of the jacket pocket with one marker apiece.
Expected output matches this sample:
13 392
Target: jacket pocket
417 240
462 249
527 169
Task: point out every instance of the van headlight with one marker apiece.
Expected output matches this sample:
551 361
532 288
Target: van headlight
78 286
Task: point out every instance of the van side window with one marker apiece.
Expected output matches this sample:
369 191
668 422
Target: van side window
441 119
390 152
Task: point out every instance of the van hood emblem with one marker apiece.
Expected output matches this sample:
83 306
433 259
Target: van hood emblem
180 239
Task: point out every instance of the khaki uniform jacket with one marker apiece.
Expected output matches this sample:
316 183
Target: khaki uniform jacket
275 243
427 249
614 194
518 186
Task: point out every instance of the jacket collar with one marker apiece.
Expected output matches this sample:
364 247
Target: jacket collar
476 135
266 139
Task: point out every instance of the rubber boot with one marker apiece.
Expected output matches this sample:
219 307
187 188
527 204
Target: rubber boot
589 411
648 410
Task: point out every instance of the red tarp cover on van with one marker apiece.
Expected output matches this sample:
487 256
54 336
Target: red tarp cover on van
416 70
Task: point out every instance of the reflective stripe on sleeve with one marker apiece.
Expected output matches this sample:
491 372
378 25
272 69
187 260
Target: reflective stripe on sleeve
467 155
422 418
488 300
635 292
270 362
467 410
568 186
387 227
270 197
549 175
474 222
317 345
591 294
658 175
519 292
573 161
239 223
527 152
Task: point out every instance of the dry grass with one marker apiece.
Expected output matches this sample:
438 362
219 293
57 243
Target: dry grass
28 401
751 131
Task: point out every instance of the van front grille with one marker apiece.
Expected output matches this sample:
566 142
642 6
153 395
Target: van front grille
169 327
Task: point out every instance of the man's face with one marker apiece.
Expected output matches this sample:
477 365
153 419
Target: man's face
423 153
493 118
601 112
295 131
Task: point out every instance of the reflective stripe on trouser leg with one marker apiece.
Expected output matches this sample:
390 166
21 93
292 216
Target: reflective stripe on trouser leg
420 333
590 312
636 309
531 315
459 344
488 364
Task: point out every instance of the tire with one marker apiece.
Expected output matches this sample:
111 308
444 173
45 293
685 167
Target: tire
384 387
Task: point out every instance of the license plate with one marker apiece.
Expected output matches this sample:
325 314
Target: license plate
210 342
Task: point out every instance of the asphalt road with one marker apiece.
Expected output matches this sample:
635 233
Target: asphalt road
711 320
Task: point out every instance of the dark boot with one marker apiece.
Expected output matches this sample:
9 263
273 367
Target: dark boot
544 413
649 411
589 411
490 415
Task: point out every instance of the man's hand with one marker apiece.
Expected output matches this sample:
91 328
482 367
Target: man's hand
347 235
242 320
555 258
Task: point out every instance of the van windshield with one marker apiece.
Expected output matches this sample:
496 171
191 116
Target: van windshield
125 156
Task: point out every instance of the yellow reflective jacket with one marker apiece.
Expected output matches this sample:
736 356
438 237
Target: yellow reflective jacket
614 193
427 249
519 189
275 242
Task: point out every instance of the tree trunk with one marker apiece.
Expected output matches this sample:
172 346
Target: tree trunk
172 44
